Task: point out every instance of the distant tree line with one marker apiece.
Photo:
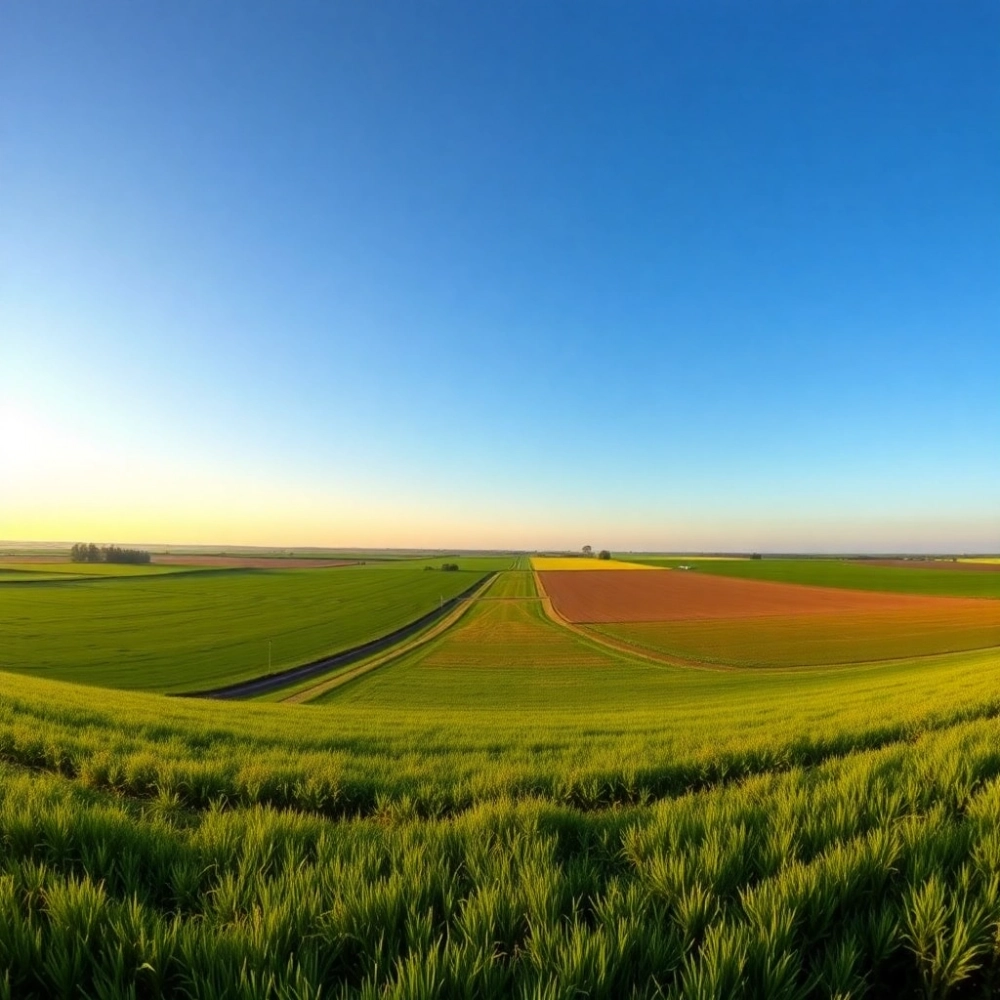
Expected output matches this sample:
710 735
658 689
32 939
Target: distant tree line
88 552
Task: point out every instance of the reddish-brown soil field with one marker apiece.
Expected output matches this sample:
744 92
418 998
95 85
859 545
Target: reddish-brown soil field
931 564
250 562
672 595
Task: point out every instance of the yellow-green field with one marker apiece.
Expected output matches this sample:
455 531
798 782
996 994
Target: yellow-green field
549 564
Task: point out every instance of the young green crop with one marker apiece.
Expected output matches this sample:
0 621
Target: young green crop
196 630
184 849
511 810
514 583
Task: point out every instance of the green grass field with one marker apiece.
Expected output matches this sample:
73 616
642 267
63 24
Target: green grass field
191 631
845 574
511 810
33 571
515 583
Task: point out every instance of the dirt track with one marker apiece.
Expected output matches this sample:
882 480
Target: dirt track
285 678
662 597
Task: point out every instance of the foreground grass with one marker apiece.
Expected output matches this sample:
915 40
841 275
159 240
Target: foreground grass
195 630
843 573
701 845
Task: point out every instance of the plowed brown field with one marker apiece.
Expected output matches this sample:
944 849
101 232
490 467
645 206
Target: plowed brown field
680 596
734 622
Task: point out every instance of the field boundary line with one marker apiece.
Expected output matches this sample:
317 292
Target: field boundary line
284 678
331 684
620 646
651 656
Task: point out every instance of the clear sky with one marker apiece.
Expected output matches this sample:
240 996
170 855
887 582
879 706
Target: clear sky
646 275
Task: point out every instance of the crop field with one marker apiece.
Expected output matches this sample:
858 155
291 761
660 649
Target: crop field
691 844
813 640
847 574
505 653
35 569
548 564
518 807
740 622
516 583
250 562
200 629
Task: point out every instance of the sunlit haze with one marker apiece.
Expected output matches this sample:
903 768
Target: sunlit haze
682 276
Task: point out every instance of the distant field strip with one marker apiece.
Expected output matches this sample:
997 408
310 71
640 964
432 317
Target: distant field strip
543 564
247 562
24 569
933 580
514 584
203 629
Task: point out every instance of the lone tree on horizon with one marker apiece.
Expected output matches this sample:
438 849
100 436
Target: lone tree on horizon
588 550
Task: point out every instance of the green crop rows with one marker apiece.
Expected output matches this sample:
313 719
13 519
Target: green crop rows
510 810
195 630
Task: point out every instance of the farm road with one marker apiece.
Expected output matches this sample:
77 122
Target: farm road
339 680
283 678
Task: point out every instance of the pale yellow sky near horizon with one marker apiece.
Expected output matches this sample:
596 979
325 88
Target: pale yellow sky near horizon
58 484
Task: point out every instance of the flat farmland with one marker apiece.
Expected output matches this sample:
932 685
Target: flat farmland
548 564
199 629
514 583
504 653
975 565
746 623
250 562
815 640
31 569
931 581
512 810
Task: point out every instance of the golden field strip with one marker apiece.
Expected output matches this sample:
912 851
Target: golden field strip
549 564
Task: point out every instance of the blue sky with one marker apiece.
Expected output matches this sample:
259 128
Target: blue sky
677 275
